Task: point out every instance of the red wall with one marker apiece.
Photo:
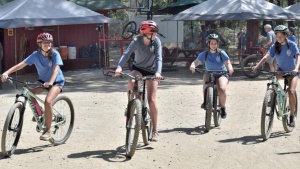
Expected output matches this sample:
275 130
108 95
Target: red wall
67 35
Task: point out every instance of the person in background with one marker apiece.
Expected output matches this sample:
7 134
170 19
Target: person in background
292 36
241 44
271 39
213 30
202 37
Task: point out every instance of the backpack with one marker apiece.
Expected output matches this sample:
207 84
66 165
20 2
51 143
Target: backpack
219 51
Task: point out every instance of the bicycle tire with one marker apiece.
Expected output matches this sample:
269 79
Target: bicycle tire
147 129
217 113
286 119
133 125
269 102
129 30
209 108
247 65
15 129
65 107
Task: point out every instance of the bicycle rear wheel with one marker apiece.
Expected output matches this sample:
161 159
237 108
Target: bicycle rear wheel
287 111
133 126
12 129
267 114
209 107
63 120
248 63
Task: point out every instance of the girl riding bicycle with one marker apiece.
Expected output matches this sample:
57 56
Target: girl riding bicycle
287 57
215 59
47 62
147 61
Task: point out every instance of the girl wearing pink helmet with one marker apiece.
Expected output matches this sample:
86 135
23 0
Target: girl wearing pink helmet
148 61
47 62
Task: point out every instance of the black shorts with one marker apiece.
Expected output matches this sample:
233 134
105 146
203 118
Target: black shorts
143 72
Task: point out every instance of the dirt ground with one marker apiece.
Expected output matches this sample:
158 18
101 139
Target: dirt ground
98 137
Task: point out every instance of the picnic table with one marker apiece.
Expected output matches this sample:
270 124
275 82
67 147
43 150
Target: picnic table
180 55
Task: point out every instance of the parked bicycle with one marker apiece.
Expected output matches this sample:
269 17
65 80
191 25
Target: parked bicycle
137 114
211 99
62 121
130 29
252 60
276 100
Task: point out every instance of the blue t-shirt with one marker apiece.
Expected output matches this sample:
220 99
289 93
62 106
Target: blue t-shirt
293 38
286 59
44 66
213 61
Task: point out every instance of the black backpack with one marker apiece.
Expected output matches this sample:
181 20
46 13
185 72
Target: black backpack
219 51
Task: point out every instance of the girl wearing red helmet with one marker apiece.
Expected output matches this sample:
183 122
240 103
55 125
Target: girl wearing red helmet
47 62
148 61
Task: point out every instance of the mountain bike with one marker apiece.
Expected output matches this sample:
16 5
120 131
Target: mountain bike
130 29
251 61
211 99
62 120
276 100
137 114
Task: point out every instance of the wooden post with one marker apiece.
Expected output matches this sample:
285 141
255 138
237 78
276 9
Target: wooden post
252 33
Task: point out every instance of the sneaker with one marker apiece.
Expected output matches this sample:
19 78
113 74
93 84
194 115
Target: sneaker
223 113
46 136
154 136
292 121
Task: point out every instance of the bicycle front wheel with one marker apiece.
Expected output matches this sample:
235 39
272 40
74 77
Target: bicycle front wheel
63 120
209 108
247 64
12 129
217 111
267 115
287 112
133 126
147 127
129 30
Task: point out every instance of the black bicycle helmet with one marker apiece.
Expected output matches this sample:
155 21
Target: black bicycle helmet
212 36
281 28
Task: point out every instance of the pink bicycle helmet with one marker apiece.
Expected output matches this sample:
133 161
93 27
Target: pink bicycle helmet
148 27
44 37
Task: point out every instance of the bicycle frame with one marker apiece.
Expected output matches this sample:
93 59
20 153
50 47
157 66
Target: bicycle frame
26 94
275 85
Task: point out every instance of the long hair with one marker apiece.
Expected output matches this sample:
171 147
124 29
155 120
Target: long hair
50 53
278 46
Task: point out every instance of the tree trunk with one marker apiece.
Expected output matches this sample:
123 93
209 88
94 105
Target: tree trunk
291 23
252 34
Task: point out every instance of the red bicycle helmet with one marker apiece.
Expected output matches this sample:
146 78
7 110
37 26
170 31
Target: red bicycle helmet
44 37
148 27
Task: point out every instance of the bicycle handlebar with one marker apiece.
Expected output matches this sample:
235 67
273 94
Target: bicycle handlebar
211 71
25 83
136 77
285 73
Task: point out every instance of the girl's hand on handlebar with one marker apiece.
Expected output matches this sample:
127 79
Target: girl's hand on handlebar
47 84
295 71
192 67
158 76
254 69
4 77
118 71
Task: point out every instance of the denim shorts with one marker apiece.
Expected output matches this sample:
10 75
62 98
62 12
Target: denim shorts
59 84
